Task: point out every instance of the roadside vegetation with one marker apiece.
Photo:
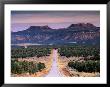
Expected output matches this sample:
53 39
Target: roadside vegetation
75 59
22 52
30 60
20 67
85 66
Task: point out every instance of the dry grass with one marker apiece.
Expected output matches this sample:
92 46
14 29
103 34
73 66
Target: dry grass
68 72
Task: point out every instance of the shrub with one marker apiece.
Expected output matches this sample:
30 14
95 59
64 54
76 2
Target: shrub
87 66
18 67
79 51
29 52
40 66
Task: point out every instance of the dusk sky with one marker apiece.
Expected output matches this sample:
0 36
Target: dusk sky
21 20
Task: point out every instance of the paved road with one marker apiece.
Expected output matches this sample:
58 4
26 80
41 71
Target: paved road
54 72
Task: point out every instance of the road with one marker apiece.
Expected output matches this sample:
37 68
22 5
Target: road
54 72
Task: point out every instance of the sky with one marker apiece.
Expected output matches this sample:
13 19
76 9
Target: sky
21 20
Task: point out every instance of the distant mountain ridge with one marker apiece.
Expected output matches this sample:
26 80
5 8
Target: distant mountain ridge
80 33
87 25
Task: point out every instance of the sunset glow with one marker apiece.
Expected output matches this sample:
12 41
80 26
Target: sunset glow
21 20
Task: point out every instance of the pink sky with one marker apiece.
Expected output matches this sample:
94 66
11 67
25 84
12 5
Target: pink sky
21 20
